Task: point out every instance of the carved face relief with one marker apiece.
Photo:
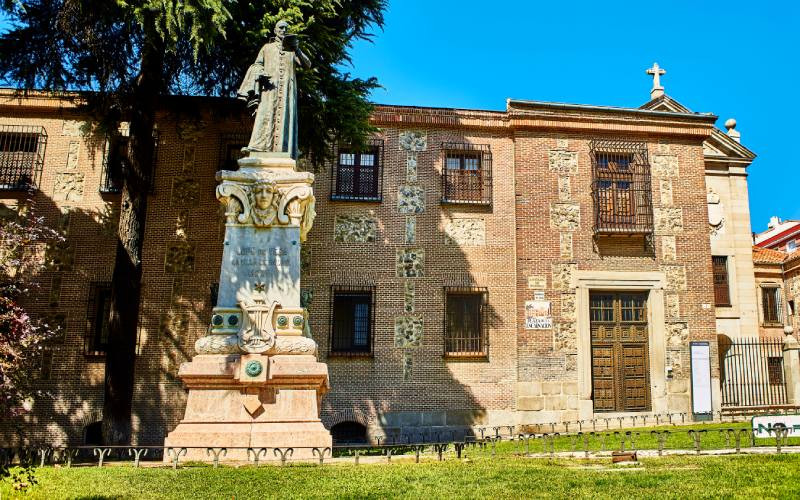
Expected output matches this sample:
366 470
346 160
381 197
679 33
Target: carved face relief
264 203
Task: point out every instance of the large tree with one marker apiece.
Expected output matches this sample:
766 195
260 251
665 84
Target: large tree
125 55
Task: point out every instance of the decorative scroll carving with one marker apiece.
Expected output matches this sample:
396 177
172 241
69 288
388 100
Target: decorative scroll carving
236 200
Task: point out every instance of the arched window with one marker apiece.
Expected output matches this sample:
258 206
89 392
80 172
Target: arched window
93 434
349 433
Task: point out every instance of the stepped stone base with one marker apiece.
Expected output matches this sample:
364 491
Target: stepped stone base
231 406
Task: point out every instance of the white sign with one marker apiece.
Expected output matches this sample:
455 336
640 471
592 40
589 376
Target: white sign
701 377
537 315
538 295
763 426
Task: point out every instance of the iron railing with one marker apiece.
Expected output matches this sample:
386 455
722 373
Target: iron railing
466 173
358 175
621 188
751 372
21 156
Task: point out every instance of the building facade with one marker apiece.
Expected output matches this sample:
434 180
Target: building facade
545 263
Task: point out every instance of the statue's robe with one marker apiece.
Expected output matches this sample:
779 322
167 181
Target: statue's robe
275 127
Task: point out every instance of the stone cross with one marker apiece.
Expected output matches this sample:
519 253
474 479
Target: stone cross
656 71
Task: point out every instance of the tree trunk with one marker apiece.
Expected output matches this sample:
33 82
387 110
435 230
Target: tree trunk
127 277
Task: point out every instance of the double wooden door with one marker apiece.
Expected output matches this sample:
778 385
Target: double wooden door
620 351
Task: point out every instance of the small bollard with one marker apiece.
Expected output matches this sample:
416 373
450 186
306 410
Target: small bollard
256 454
695 435
215 452
176 455
101 453
284 453
320 452
137 454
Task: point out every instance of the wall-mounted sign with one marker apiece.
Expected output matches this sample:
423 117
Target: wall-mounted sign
537 282
537 315
538 295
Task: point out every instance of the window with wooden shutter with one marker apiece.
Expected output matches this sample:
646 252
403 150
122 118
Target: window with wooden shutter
358 174
352 320
465 322
722 296
770 305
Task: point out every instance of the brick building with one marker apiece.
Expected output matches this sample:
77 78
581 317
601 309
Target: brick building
545 263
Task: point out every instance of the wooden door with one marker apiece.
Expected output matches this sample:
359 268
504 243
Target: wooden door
620 351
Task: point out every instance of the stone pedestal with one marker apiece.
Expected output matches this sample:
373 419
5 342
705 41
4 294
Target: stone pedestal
256 382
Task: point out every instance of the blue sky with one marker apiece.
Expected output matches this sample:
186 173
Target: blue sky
732 58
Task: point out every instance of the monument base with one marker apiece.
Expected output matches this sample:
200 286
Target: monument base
252 401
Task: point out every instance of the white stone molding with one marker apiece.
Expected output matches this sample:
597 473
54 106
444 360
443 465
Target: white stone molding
653 282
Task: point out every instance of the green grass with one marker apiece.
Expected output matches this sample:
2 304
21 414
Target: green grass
508 476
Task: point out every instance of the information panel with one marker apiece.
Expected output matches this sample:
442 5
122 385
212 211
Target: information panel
701 379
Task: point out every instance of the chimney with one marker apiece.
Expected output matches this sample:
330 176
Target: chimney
773 222
730 124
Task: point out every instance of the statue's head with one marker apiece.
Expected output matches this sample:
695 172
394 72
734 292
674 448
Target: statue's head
281 29
263 193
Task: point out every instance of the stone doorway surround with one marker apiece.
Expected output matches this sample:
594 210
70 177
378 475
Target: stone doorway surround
647 281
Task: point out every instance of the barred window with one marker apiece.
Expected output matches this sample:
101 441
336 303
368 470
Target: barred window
231 150
21 156
98 312
621 187
775 370
352 320
771 305
358 174
722 296
465 322
114 158
467 173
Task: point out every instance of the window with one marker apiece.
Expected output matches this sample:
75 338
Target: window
358 174
116 151
349 433
98 312
791 245
770 304
791 308
621 187
21 156
352 318
465 324
775 370
722 297
231 150
467 173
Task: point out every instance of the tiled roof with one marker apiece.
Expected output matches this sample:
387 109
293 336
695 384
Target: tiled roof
767 256
792 256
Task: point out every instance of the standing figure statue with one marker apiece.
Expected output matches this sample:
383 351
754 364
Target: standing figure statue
270 89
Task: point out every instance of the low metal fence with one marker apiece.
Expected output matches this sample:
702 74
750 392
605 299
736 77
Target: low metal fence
751 372
590 444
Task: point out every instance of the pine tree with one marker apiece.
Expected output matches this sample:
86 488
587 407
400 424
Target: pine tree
124 55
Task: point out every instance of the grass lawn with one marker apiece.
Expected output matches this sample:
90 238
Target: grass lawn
772 476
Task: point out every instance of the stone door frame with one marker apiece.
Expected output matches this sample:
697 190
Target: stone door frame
647 281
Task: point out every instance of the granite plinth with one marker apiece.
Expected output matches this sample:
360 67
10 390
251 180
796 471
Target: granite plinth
231 407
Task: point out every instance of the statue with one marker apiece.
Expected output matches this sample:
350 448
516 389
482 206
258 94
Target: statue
270 90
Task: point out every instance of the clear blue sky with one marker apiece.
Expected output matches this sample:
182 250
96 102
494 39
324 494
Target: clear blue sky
732 58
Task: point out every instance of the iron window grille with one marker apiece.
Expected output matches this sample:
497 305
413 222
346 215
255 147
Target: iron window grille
466 173
98 311
115 163
722 296
775 370
352 320
230 150
21 156
771 305
358 174
621 188
465 325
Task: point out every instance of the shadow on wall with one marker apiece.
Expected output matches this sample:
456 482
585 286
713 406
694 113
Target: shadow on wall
413 252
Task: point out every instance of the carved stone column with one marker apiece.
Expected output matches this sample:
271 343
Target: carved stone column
255 381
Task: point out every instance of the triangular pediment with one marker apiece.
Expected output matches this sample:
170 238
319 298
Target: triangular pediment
717 147
665 103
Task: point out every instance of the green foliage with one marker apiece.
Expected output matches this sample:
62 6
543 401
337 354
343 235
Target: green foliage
207 45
